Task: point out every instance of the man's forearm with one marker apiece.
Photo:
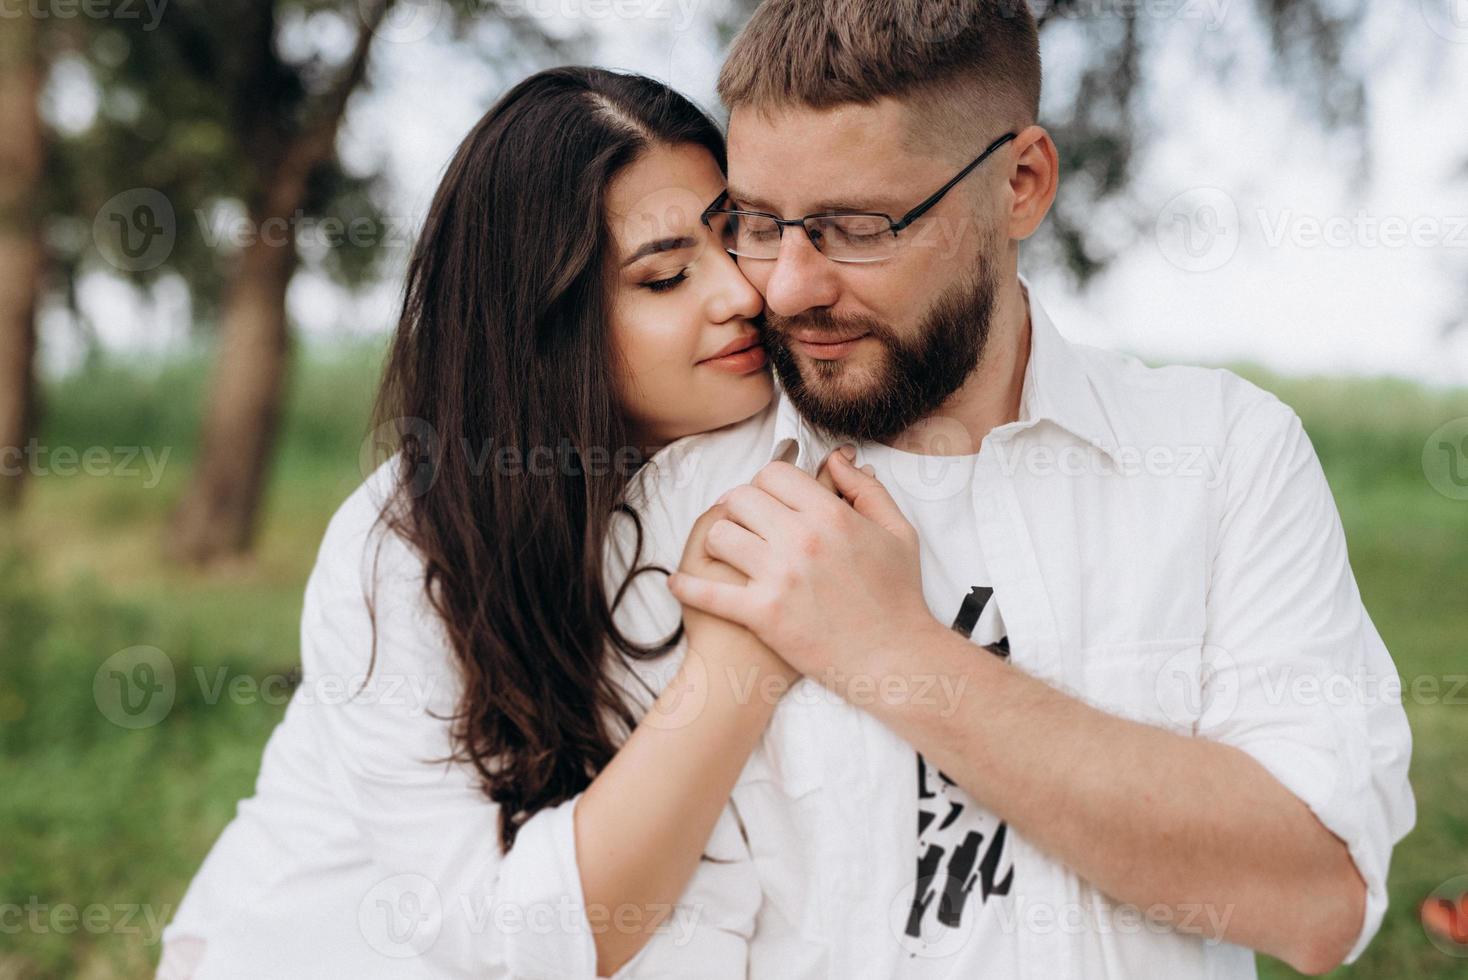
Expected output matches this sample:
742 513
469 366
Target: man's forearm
1148 816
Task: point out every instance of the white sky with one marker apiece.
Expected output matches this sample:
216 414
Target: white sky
1288 265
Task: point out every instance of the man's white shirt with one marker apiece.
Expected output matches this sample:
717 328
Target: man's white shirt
1160 542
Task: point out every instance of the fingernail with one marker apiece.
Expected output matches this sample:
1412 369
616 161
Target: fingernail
869 470
849 452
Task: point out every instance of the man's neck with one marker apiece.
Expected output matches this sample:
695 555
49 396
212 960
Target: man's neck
991 395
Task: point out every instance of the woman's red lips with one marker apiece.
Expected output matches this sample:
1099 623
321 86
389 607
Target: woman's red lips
741 356
735 346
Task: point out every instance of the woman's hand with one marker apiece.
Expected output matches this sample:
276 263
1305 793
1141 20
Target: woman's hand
723 645
807 554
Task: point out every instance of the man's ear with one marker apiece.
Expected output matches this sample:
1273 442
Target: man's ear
1033 181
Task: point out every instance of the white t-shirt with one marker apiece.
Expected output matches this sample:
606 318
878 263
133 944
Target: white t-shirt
963 871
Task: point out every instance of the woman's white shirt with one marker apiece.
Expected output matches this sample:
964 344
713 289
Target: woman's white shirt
361 855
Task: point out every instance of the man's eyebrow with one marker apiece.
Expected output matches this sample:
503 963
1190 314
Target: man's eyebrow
749 201
660 245
877 205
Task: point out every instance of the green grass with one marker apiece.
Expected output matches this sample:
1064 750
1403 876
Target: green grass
92 813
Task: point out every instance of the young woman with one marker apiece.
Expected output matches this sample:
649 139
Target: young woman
464 682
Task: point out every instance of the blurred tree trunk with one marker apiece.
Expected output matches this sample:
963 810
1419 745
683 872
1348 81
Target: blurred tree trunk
21 258
218 515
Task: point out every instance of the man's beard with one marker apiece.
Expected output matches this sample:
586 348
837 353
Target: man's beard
912 379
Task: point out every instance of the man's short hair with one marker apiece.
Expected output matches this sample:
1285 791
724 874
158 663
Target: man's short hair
957 63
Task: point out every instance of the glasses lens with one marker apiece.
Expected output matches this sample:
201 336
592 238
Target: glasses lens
853 237
749 235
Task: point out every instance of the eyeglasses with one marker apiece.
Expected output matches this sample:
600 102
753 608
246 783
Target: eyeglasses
841 236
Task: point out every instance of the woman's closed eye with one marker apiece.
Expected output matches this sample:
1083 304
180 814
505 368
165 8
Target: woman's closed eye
663 285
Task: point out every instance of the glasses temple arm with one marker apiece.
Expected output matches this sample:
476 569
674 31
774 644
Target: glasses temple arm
937 195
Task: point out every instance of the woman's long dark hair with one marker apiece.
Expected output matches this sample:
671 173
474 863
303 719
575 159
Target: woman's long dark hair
503 348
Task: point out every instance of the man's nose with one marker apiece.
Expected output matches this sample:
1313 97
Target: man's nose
802 279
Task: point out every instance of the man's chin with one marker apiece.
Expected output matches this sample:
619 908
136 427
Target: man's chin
852 373
832 397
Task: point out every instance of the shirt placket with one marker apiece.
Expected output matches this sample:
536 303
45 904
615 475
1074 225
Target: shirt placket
1042 887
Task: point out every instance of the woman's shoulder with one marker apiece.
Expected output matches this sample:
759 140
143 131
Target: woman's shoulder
687 475
365 597
361 542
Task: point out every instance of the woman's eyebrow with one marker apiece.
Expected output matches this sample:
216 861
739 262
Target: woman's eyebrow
660 245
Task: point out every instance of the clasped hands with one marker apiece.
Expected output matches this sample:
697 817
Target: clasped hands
823 571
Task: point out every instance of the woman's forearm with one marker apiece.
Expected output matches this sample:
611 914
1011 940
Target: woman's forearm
643 823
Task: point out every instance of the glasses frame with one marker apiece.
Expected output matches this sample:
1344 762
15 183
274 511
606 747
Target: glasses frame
894 226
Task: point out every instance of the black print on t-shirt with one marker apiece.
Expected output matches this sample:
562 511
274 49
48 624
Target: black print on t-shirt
952 883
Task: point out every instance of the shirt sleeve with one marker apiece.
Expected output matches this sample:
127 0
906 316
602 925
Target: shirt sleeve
427 823
1295 673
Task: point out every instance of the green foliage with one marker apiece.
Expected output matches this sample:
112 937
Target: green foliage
209 105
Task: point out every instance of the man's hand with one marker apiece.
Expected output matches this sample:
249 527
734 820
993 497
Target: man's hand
831 584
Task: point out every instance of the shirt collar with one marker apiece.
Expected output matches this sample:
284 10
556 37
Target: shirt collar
1056 389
